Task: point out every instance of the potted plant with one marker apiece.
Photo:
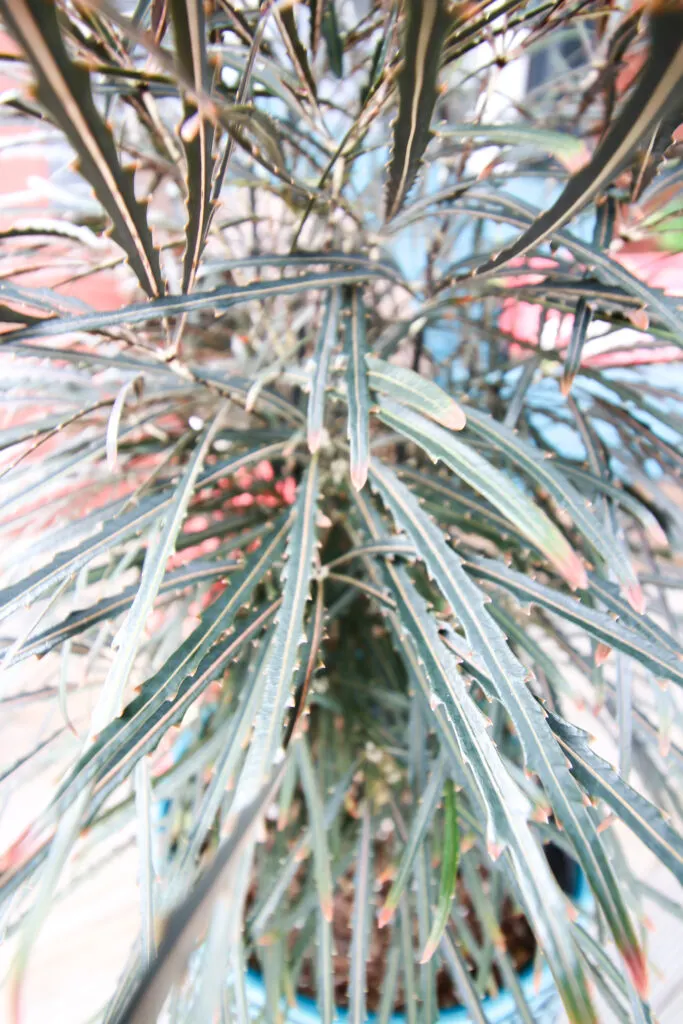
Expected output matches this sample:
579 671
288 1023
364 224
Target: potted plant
324 585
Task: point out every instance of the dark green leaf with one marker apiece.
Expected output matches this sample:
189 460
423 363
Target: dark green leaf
655 94
424 34
64 90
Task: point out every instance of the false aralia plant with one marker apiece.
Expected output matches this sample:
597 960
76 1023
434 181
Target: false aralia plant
345 599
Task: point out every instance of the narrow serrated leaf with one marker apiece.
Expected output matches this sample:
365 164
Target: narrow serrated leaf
463 733
288 635
113 531
559 144
600 780
295 48
191 918
543 472
424 34
333 41
218 298
492 484
265 910
197 132
64 90
158 553
542 753
82 619
654 96
606 630
185 660
358 395
410 388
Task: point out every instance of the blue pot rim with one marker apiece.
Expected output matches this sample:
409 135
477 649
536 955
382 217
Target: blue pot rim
496 1009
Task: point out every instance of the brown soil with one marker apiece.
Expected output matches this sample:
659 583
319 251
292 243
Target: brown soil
519 941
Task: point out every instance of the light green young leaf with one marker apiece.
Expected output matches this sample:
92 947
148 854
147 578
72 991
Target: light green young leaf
558 144
410 388
449 873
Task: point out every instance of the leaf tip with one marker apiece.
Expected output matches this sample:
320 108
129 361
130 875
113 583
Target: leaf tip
359 476
385 916
454 418
637 967
635 597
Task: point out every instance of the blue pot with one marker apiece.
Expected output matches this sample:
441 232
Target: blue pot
542 998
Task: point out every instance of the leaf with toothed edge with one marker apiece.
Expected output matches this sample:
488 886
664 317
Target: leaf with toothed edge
289 632
426 24
463 733
159 550
197 132
112 532
218 298
410 388
550 477
64 90
542 752
78 621
358 394
641 645
141 741
360 922
185 660
463 460
653 97
600 780
321 357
